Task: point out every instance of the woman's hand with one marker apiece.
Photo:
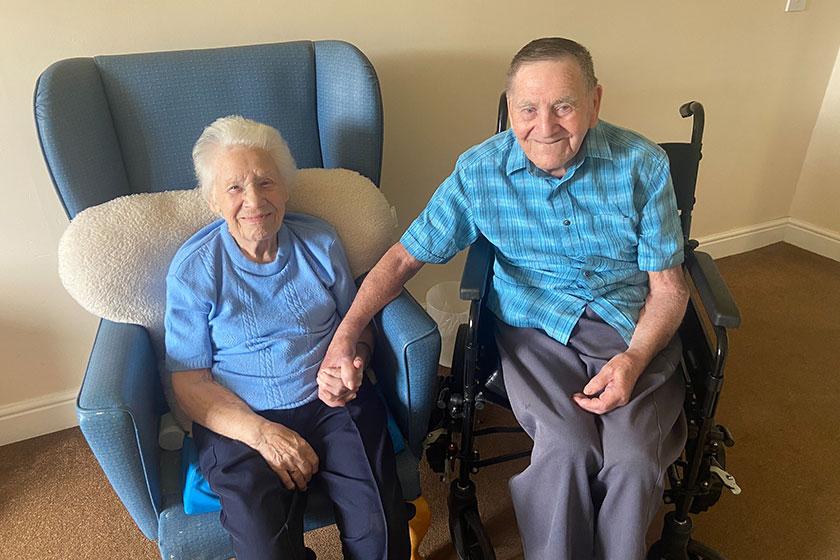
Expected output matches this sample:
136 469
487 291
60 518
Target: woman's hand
288 455
333 387
342 369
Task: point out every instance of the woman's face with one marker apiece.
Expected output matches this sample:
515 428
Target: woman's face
248 192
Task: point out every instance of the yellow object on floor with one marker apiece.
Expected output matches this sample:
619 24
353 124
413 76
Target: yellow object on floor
419 525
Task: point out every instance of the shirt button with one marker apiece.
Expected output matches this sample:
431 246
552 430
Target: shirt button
587 273
567 223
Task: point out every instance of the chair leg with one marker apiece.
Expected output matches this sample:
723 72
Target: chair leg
418 525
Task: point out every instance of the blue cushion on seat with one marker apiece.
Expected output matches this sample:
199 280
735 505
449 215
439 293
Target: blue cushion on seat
198 496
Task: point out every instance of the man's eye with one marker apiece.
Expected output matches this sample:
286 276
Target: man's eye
529 110
564 109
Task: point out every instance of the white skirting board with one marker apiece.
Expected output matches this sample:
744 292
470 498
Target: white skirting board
812 238
50 413
36 417
804 235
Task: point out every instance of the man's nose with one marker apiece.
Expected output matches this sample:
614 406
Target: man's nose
548 124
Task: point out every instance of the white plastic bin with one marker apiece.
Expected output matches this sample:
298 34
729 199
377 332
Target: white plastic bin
448 311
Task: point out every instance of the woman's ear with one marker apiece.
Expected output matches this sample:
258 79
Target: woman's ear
211 201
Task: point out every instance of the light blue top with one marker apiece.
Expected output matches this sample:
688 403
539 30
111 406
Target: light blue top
561 244
262 329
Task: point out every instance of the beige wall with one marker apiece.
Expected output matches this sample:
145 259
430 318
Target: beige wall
760 72
817 198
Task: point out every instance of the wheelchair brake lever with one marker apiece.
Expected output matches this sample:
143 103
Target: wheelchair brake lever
432 437
727 479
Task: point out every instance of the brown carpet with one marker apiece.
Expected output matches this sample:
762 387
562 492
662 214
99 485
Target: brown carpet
780 402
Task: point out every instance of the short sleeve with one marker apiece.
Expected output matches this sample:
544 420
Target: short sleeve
343 288
660 234
445 226
187 328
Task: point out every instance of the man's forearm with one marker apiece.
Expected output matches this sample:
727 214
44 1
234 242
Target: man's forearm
383 283
215 407
662 313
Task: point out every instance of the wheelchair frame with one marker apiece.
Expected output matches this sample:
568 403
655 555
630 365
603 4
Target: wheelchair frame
696 479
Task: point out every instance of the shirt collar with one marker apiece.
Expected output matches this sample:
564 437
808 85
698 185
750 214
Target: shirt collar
594 145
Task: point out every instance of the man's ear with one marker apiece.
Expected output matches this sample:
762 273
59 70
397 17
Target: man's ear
599 91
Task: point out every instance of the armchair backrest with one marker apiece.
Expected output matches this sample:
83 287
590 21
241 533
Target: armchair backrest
116 125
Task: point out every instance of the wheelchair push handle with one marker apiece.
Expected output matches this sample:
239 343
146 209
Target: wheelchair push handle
502 118
695 109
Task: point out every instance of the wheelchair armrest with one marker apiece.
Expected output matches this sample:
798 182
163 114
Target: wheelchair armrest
714 294
118 417
477 269
406 364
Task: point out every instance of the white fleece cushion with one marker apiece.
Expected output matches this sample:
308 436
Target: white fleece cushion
113 257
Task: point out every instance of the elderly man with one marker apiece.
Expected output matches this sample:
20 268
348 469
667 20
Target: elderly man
252 302
588 293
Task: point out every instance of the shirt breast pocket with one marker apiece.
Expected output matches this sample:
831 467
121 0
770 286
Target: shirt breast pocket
615 236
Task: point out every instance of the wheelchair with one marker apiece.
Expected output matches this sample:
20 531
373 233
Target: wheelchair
695 481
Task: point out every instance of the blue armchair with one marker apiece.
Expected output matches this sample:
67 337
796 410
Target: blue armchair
116 125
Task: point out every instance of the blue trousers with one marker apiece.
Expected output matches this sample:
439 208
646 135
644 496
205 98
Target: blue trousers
356 469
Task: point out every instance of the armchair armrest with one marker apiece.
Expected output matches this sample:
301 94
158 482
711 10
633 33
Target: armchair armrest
477 269
714 294
406 363
118 417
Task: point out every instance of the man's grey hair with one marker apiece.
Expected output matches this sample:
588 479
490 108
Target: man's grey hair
233 131
554 48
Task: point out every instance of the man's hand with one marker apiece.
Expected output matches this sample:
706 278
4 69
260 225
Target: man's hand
612 387
340 375
288 455
338 386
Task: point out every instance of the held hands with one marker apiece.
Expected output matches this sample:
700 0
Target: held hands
341 373
613 386
288 455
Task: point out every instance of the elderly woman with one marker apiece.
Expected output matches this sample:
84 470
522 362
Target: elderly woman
253 300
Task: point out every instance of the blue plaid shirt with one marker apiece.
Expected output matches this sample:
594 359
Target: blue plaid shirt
586 239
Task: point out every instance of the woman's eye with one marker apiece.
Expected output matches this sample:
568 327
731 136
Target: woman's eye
234 188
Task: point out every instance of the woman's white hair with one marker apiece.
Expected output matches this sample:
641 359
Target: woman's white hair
232 131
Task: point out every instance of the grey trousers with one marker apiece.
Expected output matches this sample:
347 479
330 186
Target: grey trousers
595 482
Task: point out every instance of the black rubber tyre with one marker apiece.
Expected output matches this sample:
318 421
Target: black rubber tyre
699 551
469 537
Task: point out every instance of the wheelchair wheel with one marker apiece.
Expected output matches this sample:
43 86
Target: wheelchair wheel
699 551
469 537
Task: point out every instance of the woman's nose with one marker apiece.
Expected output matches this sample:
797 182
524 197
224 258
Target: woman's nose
252 196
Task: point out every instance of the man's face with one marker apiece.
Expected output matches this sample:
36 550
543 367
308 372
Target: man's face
551 109
249 194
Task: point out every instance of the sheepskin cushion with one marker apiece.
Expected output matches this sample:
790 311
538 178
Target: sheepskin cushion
113 257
